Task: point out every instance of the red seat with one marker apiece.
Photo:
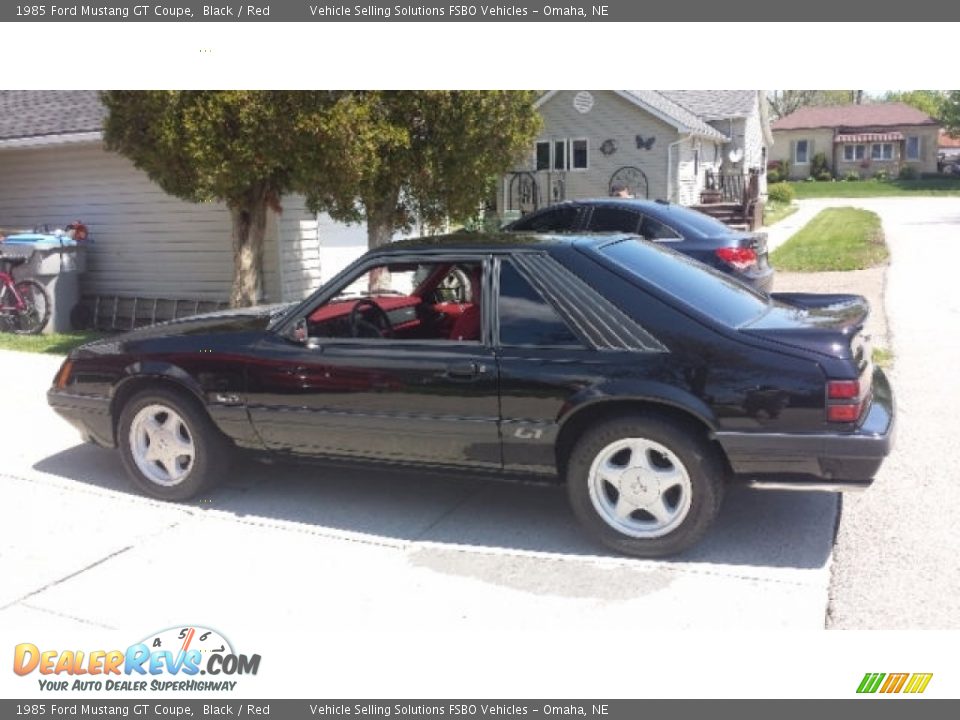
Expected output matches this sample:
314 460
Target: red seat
467 326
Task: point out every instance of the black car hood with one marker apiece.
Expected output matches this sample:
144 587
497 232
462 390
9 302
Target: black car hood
234 320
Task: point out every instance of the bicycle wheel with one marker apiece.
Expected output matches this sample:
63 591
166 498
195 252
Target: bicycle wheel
34 316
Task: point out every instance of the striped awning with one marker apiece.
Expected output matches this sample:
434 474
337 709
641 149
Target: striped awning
869 137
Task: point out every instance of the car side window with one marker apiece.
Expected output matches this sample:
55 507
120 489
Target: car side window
613 219
558 219
525 317
652 229
405 301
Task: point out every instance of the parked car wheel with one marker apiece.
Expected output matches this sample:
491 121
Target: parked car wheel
170 448
647 486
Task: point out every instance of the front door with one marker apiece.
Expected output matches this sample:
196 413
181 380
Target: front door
397 368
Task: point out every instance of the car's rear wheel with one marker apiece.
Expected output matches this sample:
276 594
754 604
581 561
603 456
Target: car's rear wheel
647 486
170 447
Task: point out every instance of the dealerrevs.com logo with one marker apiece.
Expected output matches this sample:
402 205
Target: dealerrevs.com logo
172 659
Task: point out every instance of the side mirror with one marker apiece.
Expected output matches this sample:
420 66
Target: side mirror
298 332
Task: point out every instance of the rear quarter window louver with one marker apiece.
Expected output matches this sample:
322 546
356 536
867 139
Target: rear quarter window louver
597 320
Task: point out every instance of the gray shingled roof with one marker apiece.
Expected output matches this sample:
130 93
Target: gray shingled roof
683 117
715 104
37 113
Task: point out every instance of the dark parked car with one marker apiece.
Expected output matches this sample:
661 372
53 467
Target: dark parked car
643 379
742 254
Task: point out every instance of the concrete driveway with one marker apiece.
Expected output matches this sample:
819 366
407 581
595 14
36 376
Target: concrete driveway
895 562
383 551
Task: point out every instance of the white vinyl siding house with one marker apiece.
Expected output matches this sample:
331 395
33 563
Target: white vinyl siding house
657 144
145 242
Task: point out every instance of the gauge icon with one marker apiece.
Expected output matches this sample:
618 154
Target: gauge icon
184 638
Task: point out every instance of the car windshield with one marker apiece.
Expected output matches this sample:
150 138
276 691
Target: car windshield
716 295
687 221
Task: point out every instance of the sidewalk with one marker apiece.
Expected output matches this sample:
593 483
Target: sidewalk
778 234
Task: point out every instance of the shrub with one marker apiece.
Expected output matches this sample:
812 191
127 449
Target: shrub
908 173
819 167
881 175
851 176
781 193
778 171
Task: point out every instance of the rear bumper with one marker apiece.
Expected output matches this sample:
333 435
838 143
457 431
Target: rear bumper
89 414
817 461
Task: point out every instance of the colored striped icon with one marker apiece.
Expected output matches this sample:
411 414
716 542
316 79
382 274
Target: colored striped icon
894 682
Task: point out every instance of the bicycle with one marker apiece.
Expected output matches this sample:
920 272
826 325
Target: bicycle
24 304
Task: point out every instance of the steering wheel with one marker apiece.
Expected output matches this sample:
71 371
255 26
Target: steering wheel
360 326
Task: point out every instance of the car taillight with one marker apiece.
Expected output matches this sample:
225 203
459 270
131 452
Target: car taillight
739 257
844 403
843 389
63 375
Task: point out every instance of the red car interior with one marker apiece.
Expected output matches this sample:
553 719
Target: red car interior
454 320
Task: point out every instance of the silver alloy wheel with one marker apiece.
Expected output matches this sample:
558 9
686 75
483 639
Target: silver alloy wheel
640 488
161 445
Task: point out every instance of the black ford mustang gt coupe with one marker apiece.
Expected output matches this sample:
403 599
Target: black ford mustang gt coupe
642 379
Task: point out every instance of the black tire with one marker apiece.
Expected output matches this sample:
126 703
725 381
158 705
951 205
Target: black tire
33 318
700 460
212 450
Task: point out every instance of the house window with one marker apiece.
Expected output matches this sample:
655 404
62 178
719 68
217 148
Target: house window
579 154
559 154
801 152
543 155
565 154
854 152
913 147
881 151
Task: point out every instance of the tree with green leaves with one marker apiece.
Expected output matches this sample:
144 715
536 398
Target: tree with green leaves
244 148
784 102
928 101
950 112
436 155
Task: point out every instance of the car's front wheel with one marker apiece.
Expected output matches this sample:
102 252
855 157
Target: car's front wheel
170 448
648 486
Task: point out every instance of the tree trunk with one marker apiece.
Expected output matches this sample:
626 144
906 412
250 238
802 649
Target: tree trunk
379 233
249 218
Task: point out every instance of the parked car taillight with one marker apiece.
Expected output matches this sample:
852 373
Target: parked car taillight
63 375
843 389
844 403
739 257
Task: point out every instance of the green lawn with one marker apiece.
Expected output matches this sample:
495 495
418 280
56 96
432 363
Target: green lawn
876 188
836 239
774 212
48 344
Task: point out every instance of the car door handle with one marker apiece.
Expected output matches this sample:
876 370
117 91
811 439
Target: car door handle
465 371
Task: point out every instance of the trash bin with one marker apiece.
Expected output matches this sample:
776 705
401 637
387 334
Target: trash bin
55 261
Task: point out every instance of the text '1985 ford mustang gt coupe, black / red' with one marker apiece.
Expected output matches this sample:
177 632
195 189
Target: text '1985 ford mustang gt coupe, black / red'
641 378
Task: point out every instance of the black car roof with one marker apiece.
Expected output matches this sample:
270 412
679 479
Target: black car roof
492 242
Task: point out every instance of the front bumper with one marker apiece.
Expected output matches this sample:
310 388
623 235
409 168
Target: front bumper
90 414
817 461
